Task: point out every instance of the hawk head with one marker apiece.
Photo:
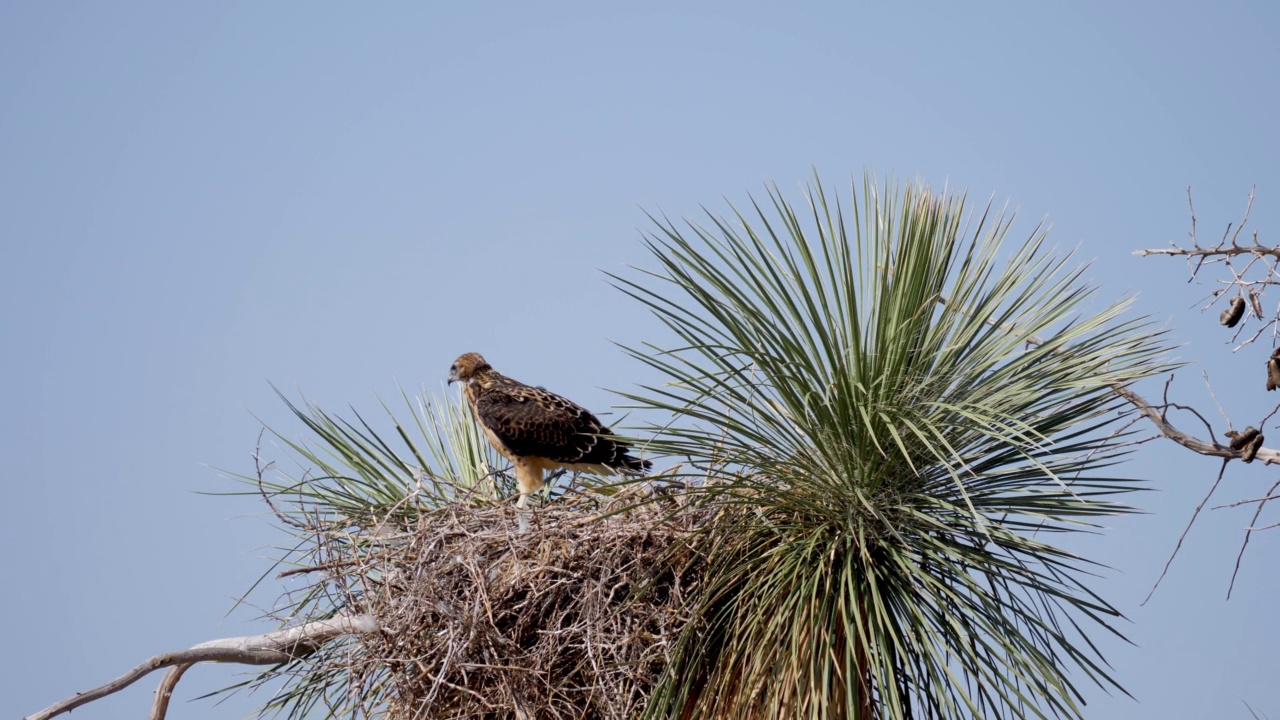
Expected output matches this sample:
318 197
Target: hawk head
467 367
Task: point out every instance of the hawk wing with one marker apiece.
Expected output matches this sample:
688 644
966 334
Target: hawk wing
532 422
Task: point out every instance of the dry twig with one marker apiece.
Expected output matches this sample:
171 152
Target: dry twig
266 649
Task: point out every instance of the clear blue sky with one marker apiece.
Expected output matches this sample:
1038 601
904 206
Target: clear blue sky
196 200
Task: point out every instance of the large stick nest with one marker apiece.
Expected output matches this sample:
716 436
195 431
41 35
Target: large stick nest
572 616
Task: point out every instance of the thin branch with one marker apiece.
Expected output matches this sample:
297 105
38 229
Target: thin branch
267 649
314 568
1238 503
1221 472
1221 249
1192 207
1248 532
1247 208
1201 252
161 706
1208 386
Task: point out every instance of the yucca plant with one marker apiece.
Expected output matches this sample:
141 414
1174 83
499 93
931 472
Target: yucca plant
906 408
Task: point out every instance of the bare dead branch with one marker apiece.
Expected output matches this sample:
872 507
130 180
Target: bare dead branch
1192 208
1221 249
1248 533
1243 285
1247 501
1244 220
1217 251
1203 447
265 649
163 693
1228 247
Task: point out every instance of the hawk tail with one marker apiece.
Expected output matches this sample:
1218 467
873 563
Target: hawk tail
634 465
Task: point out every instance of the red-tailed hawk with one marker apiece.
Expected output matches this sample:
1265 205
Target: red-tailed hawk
538 430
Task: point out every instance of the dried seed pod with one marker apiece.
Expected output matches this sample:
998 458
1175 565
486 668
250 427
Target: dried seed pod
1232 314
1273 371
1255 298
1251 450
1240 439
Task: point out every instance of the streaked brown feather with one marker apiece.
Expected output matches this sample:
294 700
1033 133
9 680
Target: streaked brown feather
540 428
531 422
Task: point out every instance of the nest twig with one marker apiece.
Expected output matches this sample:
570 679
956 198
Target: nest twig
574 617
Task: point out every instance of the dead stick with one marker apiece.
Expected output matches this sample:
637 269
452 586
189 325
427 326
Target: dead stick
161 706
266 649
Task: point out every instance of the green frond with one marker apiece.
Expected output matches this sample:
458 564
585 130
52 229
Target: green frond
908 405
347 472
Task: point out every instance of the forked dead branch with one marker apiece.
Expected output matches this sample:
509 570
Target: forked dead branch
1244 272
